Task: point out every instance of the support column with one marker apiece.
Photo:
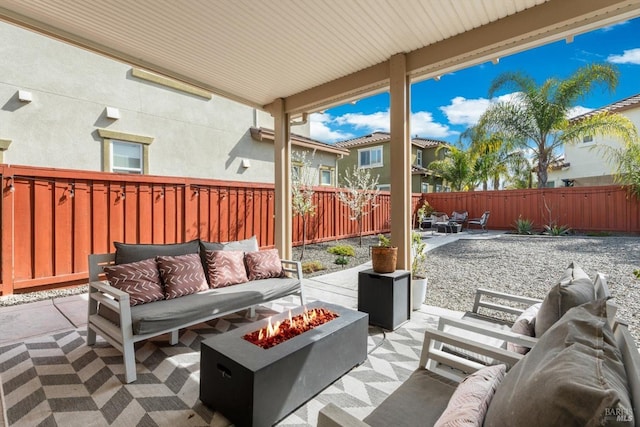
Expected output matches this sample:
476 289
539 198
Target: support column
282 165
400 114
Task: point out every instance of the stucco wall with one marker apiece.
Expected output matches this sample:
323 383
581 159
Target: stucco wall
589 164
71 88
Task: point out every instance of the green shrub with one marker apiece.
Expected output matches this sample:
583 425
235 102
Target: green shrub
556 230
523 226
342 260
384 241
636 273
342 250
311 266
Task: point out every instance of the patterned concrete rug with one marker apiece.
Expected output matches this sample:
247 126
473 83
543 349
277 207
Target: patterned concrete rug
59 381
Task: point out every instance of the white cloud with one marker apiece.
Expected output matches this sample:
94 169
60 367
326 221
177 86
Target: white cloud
578 110
463 111
613 26
631 56
378 121
320 130
422 124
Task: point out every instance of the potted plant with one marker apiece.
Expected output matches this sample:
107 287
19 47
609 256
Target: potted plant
384 257
418 270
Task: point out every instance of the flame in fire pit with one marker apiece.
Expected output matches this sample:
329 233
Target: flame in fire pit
274 334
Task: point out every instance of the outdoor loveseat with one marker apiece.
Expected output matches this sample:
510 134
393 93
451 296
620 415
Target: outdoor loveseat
581 369
163 288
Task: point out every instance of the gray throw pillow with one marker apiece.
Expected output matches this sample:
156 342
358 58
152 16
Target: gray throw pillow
128 252
573 376
573 289
524 325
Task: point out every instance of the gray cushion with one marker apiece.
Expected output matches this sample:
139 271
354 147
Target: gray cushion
573 289
524 325
175 313
573 376
418 401
128 252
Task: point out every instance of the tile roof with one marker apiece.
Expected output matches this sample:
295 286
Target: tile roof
617 106
377 137
264 134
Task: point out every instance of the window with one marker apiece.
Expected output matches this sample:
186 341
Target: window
326 175
126 157
296 170
438 188
124 152
384 187
588 138
424 187
370 157
419 160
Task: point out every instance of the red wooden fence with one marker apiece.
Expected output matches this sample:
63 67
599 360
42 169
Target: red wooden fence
52 219
607 208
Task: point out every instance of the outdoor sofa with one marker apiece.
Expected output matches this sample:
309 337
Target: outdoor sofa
583 369
159 289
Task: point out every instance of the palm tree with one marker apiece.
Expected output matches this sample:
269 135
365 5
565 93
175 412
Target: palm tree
627 161
519 171
537 116
457 167
491 153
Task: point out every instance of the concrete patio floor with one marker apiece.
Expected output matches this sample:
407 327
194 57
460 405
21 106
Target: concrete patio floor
25 321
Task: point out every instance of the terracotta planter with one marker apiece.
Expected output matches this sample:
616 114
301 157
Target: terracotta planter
384 259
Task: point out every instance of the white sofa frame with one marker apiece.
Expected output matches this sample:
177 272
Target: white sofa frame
450 366
121 336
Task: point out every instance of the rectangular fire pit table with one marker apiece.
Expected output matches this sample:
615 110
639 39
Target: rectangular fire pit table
252 386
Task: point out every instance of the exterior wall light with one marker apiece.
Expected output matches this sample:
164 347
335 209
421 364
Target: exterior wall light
25 96
113 113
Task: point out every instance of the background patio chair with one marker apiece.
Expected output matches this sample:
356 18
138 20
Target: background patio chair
482 222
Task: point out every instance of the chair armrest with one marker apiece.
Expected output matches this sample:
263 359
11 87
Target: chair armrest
333 416
453 366
480 292
471 326
293 267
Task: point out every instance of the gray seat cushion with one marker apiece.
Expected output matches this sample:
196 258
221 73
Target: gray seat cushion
419 401
169 314
178 312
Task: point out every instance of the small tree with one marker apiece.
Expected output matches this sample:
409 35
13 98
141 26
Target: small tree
302 180
360 194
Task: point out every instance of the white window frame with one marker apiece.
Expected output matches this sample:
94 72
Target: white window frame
419 157
116 169
424 187
384 187
587 139
109 136
331 172
370 150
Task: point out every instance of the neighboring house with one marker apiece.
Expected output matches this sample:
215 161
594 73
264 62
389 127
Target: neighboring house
372 151
65 107
323 157
585 163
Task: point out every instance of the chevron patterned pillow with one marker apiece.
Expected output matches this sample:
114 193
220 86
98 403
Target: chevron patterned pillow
182 275
141 280
226 268
263 264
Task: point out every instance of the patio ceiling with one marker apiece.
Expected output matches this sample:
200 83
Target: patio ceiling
311 53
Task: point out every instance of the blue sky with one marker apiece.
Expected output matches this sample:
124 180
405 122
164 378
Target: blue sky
445 108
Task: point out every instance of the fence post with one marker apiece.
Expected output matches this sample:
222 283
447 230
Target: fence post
7 231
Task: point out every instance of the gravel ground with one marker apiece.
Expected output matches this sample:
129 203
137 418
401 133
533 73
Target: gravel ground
318 252
531 266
